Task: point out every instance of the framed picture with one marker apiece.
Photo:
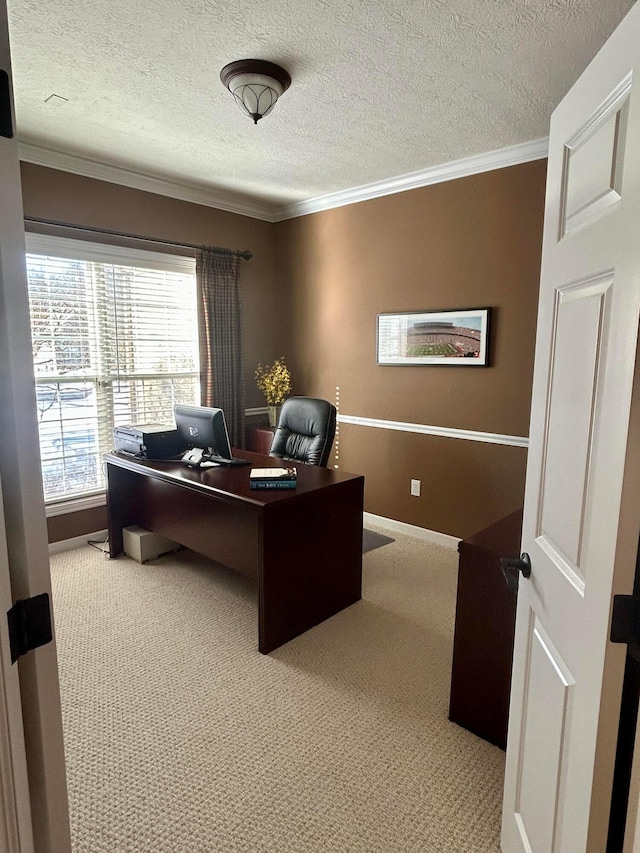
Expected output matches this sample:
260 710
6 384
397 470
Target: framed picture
459 338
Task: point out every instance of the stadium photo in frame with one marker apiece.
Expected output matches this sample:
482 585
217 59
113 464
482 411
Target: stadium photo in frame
457 338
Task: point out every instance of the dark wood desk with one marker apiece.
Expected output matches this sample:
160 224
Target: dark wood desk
303 545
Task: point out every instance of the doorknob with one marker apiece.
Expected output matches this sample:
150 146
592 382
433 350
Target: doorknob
511 566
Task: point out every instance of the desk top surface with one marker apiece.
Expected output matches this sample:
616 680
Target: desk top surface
503 537
233 481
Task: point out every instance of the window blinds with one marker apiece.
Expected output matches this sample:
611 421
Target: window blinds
115 342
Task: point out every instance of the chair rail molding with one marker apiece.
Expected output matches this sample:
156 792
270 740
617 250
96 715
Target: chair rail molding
443 432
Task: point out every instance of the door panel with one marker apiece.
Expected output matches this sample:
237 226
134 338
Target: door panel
593 160
538 793
577 343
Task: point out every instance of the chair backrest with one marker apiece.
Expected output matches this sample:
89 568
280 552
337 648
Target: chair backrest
305 430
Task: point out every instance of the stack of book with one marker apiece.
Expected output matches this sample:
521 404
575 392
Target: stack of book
272 478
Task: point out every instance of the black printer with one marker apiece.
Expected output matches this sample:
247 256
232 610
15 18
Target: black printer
151 441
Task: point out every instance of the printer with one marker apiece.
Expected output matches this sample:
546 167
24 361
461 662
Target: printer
151 441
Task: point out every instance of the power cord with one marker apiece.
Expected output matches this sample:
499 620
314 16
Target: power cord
103 547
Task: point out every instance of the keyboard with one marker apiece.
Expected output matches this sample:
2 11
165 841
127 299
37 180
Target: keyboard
235 460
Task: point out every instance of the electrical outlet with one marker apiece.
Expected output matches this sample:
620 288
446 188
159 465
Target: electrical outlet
415 488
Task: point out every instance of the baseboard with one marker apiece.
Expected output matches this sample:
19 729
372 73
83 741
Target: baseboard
77 541
378 520
413 530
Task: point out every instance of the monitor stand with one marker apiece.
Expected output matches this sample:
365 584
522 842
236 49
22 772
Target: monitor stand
198 458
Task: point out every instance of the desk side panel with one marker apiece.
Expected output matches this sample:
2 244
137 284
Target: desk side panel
311 565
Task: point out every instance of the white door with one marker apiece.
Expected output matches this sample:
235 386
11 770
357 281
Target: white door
23 517
581 519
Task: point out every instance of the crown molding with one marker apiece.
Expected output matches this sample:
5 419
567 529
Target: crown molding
500 159
41 156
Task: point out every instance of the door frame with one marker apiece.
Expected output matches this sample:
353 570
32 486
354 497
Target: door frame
15 808
24 510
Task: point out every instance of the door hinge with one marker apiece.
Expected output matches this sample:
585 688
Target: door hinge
625 619
29 625
6 124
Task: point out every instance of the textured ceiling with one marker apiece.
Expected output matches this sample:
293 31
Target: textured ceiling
380 88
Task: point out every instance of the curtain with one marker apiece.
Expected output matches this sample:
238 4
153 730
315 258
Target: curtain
220 338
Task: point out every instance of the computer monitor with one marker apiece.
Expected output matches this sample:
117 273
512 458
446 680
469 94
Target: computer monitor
204 432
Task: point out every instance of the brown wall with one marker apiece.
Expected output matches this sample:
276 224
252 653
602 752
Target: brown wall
467 243
61 196
312 292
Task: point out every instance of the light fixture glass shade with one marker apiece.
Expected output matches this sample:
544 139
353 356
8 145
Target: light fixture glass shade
255 94
256 85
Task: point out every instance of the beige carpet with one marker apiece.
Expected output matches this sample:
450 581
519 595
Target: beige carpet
181 738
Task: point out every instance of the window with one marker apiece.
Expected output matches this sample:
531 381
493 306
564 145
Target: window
115 342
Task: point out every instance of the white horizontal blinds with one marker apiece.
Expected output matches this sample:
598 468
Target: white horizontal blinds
150 352
115 343
66 364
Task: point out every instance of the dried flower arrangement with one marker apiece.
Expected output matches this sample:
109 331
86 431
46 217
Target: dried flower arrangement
274 380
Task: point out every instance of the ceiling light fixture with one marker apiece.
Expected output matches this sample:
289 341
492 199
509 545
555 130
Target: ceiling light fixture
256 85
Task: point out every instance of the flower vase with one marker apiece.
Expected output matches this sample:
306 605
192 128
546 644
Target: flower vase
274 415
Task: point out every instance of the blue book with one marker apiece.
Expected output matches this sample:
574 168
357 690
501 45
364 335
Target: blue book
273 484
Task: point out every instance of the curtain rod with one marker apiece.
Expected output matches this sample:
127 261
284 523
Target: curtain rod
244 255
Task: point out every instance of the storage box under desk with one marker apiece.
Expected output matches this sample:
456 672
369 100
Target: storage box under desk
484 632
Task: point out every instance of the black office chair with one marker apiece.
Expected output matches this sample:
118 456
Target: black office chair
305 431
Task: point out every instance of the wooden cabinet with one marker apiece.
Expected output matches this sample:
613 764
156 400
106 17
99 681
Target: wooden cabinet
259 439
484 632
